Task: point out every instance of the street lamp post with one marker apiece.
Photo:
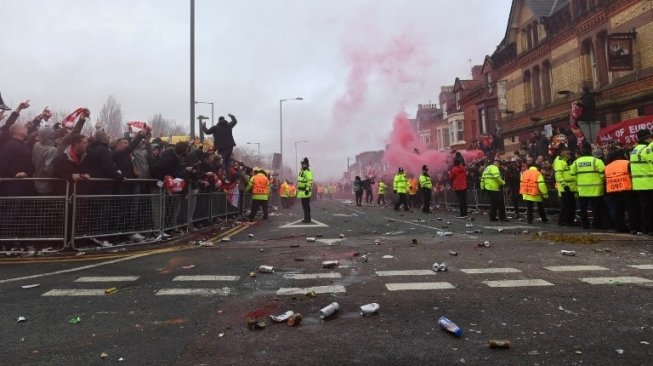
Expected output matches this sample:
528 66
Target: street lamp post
296 164
211 103
258 145
281 128
192 69
201 118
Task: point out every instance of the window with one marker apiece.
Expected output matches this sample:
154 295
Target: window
537 95
589 67
457 100
488 81
546 82
529 37
528 101
483 121
456 132
444 110
536 37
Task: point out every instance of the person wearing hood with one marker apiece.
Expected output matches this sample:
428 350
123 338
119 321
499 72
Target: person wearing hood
223 139
43 154
358 190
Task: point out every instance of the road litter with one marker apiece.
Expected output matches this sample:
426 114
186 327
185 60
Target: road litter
121 359
469 225
221 335
21 319
342 236
30 286
439 267
444 233
225 239
363 258
190 266
388 256
450 326
498 343
620 351
251 235
439 218
571 253
261 250
206 243
377 242
524 232
451 252
294 245
253 323
644 342
294 319
329 310
310 239
299 259
79 254
500 230
311 293
330 264
266 269
75 320
111 291
252 274
414 241
282 317
104 355
370 309
485 244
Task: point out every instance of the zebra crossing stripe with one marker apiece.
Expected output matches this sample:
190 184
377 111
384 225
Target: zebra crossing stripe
614 280
575 268
194 291
419 286
417 272
489 270
518 283
76 292
642 266
206 278
310 276
318 290
107 279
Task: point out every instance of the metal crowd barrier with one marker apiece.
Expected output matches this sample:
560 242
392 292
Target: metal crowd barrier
477 199
33 218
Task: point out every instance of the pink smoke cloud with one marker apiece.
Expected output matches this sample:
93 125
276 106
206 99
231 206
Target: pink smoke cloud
403 141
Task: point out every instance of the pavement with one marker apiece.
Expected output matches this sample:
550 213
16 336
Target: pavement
188 305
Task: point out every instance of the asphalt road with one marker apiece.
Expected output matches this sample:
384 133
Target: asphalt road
188 305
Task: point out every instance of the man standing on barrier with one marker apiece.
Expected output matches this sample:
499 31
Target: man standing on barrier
492 183
260 188
223 140
304 187
426 187
566 185
533 189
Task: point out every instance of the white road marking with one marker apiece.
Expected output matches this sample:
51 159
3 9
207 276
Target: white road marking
614 280
517 283
76 292
300 224
329 241
642 266
107 279
575 268
414 224
419 286
206 278
194 291
513 227
310 276
317 289
489 270
416 272
76 269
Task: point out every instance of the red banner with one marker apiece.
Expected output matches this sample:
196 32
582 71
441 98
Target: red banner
624 131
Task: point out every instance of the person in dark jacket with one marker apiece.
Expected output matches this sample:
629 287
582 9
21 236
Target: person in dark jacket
99 164
358 190
169 161
69 164
16 162
5 135
223 139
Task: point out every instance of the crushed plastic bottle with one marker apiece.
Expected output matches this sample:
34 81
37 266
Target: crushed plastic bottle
370 309
450 326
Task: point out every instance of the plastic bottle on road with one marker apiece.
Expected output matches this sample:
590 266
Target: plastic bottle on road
450 326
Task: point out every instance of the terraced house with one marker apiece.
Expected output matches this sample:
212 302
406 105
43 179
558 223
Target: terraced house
554 48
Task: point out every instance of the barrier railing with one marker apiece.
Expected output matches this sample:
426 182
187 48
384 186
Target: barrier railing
36 218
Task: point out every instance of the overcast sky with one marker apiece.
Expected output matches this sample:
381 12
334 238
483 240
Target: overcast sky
355 63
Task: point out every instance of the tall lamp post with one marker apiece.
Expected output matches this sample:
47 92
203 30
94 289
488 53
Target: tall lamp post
192 69
281 128
296 164
211 103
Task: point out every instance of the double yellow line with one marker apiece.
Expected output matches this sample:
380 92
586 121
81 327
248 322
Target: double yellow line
72 258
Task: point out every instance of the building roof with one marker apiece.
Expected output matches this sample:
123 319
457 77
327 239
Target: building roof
543 8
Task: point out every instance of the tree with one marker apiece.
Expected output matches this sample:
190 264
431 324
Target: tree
162 126
110 118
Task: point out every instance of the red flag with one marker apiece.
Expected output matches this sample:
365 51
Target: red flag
69 121
138 126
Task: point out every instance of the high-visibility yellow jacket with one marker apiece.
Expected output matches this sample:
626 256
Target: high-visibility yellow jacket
491 178
563 176
425 181
588 172
400 183
532 186
641 167
382 187
304 183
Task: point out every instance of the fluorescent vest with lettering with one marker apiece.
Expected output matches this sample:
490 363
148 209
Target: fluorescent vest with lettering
532 186
491 179
617 178
588 171
641 167
260 187
400 183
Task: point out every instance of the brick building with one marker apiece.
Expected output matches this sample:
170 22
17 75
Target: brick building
553 48
463 121
427 116
440 129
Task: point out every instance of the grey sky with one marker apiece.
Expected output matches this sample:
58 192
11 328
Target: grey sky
250 54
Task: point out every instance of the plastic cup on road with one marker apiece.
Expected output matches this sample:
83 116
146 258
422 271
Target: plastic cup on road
370 309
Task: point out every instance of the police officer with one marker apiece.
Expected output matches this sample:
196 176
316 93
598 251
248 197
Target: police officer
259 185
381 195
641 168
533 189
492 183
304 187
426 187
400 186
566 185
588 173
